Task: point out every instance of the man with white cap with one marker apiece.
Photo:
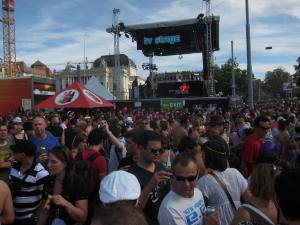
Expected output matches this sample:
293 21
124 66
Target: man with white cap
119 186
119 192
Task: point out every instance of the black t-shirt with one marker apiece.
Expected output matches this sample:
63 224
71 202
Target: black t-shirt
56 131
158 193
74 189
70 134
127 161
216 137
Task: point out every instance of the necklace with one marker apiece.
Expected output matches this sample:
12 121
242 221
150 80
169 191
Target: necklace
3 144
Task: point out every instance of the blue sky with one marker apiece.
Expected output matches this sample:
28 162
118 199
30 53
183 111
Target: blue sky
54 31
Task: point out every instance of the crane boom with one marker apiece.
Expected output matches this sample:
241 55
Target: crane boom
9 38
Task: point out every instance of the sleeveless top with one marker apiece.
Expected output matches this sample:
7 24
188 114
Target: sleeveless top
257 216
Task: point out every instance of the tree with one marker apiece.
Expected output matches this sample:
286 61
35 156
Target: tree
223 76
297 73
273 83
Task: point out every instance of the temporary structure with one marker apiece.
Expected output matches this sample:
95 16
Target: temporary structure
94 85
74 96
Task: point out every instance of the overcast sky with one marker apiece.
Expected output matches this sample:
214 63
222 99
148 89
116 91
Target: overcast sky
54 31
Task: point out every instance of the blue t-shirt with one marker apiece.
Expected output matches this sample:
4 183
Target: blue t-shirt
49 143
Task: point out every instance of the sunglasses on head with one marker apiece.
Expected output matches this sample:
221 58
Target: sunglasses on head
189 179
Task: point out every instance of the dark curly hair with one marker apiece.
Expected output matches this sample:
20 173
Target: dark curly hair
216 153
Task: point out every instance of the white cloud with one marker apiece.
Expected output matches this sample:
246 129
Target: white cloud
178 9
43 41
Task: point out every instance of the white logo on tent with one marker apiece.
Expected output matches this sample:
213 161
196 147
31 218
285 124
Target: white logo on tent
92 96
67 97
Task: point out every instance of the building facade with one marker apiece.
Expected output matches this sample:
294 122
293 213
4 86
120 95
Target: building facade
37 69
104 70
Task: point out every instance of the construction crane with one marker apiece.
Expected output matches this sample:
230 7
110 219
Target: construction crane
9 38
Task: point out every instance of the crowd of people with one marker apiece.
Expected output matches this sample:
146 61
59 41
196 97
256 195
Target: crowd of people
136 167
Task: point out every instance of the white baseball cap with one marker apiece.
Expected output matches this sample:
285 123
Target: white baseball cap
17 120
118 186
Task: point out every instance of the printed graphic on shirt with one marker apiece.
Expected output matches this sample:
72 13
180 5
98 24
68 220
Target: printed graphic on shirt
154 194
194 214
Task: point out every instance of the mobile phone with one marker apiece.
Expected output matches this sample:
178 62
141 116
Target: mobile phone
210 209
43 150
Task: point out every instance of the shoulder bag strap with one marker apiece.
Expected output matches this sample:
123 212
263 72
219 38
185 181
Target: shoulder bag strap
224 189
259 212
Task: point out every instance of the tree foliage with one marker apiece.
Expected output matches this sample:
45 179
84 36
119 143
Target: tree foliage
297 72
223 77
273 83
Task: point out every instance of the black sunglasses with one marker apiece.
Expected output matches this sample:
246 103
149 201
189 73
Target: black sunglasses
189 179
155 151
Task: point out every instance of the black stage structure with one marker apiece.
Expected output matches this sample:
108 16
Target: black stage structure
176 38
190 103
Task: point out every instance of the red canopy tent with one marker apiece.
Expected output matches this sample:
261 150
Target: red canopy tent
74 96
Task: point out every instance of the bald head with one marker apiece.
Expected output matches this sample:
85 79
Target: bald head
39 125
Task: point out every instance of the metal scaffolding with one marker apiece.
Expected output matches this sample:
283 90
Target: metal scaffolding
9 37
209 54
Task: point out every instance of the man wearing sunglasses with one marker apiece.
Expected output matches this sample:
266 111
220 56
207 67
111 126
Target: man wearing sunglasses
151 175
184 204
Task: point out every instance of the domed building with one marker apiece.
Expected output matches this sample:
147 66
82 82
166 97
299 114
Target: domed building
103 69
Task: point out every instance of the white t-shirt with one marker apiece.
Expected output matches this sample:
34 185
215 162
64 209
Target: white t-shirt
113 163
236 185
177 210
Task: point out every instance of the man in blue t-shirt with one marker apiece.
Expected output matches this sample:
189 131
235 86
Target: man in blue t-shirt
43 140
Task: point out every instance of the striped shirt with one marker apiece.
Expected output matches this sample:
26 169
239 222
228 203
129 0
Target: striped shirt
28 189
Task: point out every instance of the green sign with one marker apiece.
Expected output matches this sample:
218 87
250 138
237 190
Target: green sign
169 103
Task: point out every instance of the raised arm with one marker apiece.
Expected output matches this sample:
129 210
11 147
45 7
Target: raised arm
7 213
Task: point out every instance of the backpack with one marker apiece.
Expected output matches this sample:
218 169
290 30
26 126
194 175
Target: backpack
84 169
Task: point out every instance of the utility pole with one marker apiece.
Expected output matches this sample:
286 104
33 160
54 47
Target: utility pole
84 59
118 80
259 91
249 63
233 76
78 73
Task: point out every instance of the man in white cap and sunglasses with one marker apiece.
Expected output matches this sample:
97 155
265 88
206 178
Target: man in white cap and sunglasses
184 204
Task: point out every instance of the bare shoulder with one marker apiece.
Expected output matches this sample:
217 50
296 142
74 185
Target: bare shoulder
4 190
3 187
241 214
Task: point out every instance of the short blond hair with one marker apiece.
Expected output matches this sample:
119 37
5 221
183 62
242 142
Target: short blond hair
262 181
